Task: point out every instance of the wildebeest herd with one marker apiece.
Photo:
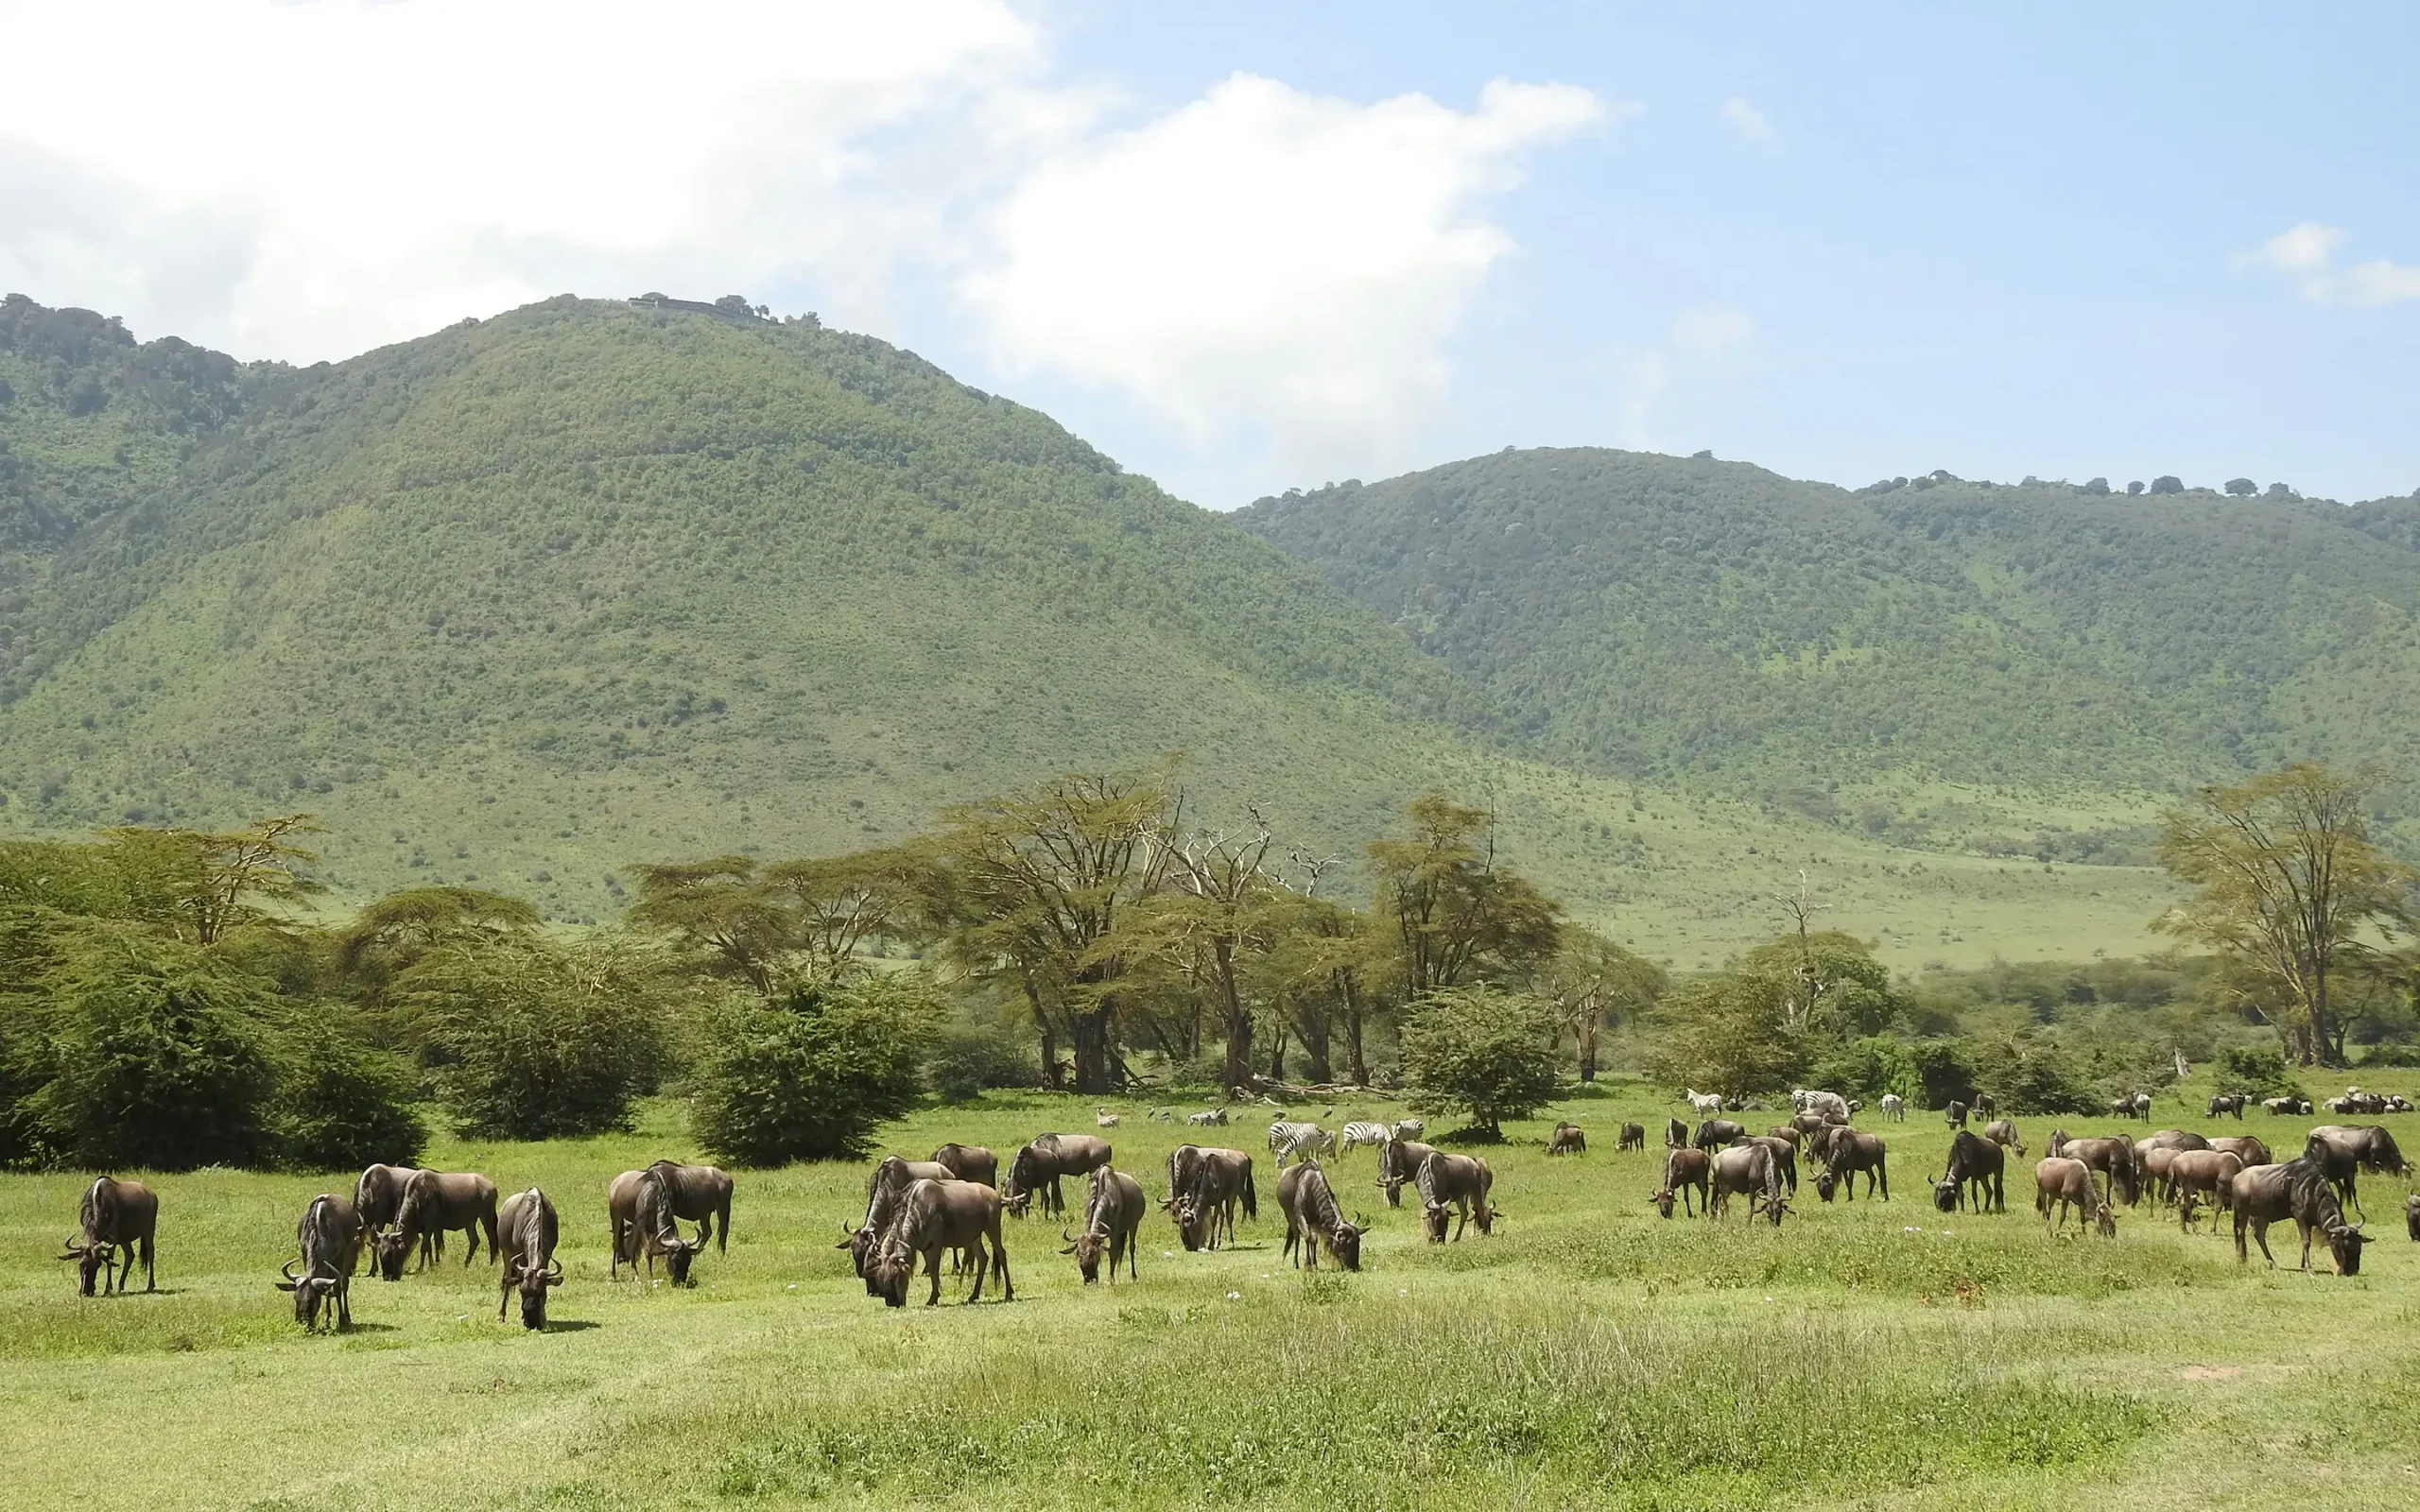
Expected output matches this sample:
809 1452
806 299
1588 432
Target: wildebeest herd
955 1203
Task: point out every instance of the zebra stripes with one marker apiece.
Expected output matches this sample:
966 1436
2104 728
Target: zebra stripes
1287 1139
1360 1132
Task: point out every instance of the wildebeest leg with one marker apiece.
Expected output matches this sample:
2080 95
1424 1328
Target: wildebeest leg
2305 1230
1881 1174
344 1304
2260 1235
933 1272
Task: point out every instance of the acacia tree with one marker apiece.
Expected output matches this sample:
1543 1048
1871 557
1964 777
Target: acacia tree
1218 908
1483 1050
2287 882
1458 916
1591 981
783 928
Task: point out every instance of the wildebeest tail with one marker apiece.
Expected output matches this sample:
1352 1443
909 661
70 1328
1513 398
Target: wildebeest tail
1251 1198
89 1211
722 1228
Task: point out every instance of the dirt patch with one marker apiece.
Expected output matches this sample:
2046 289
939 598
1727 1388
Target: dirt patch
2210 1372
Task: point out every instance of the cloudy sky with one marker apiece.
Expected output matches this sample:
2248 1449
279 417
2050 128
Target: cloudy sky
1244 247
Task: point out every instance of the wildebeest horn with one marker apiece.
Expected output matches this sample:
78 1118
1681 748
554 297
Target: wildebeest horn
847 1231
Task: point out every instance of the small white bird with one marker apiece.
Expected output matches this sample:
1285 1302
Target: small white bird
1105 1119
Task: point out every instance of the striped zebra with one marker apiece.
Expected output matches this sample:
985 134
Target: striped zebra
1360 1132
1287 1139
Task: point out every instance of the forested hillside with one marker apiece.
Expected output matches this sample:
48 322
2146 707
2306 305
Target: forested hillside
1861 656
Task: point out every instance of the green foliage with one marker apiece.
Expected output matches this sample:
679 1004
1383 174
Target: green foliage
1732 1033
340 1106
812 1077
1482 1050
1458 913
1870 1067
970 1059
2032 1073
531 1040
2258 1071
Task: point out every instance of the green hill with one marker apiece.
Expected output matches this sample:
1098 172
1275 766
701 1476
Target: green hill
1939 661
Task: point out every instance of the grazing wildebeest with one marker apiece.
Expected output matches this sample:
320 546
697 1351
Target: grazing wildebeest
1848 1152
113 1217
1983 1106
2344 1152
1399 1162
2154 1165
1974 1175
434 1203
935 1217
2113 1157
2001 1132
668 1190
1956 1114
1715 1132
2302 1191
1037 1167
378 1196
2206 1175
1204 1209
2249 1148
1112 1217
2228 1103
529 1230
1456 1185
1785 1153
889 1181
1634 1137
330 1239
2172 1139
1567 1139
1785 1133
1684 1169
1676 1134
2068 1183
1314 1218
1747 1168
969 1163
2280 1106
1894 1107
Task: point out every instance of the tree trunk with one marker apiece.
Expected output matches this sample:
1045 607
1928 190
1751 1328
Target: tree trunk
1277 1056
1049 1038
1238 1073
1090 1035
1588 1048
1351 991
1311 1029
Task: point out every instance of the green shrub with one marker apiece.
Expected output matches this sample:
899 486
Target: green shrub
811 1077
1727 1035
2261 1071
1870 1067
970 1059
341 1106
1489 1052
2033 1073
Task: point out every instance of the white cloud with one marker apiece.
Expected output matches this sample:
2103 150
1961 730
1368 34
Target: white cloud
2304 248
2378 283
2308 252
1698 339
1269 258
1749 122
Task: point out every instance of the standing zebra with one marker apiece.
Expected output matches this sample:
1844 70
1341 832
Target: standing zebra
1286 1140
1360 1132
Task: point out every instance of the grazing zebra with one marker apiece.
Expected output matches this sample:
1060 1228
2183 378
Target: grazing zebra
1410 1128
1214 1117
1286 1140
1894 1107
1358 1132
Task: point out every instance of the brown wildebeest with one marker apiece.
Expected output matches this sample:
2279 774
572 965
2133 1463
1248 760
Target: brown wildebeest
1399 1162
2246 1148
1748 1168
2344 1152
2113 1157
2003 1133
1315 1218
1634 1137
114 1216
1183 1161
969 1163
1785 1155
1810 1127
934 1216
1684 1169
2412 1215
528 1229
1974 1175
1112 1216
1676 1134
1849 1151
2068 1183
2154 1165
2228 1103
1787 1134
1041 1163
1219 1181
328 1236
2206 1175
434 1203
891 1179
2172 1139
1716 1132
2299 1189
701 1194
378 1196
1456 1185
1955 1113
1985 1106
1567 1139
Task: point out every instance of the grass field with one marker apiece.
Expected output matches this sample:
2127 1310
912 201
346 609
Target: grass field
1868 1354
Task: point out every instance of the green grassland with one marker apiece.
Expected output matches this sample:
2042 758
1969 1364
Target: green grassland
1867 1354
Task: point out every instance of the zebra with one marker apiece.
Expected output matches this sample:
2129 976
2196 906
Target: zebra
1358 1132
1293 1139
1410 1128
1214 1117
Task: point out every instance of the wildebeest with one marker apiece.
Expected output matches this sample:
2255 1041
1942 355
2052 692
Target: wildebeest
1715 1132
2001 1132
528 1229
2412 1217
1684 1169
889 1181
1567 1139
1785 1153
2172 1139
2300 1190
1983 1105
1633 1137
2068 1183
2280 1106
2209 1175
1746 1168
2113 1157
1399 1162
378 1196
1894 1107
1974 1175
1676 1134
2228 1103
115 1217
328 1236
1216 1182
435 1203
1955 1113
969 1163
2344 1152
1112 1216
1456 1185
1293 1139
2249 1148
935 1217
1314 1218
1037 1167
1847 1152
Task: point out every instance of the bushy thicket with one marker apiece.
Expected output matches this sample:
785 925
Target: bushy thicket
969 1059
1481 1052
341 1106
810 1076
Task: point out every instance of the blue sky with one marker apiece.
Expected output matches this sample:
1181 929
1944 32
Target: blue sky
1244 247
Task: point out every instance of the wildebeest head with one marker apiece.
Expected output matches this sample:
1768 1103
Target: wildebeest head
389 1249
859 1242
894 1264
310 1293
1775 1206
532 1281
1484 1213
1944 1194
1662 1197
1345 1241
92 1258
1087 1248
677 1253
1433 1217
1826 1184
2345 1243
2105 1221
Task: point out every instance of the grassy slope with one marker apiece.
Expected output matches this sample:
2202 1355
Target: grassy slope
1587 1354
